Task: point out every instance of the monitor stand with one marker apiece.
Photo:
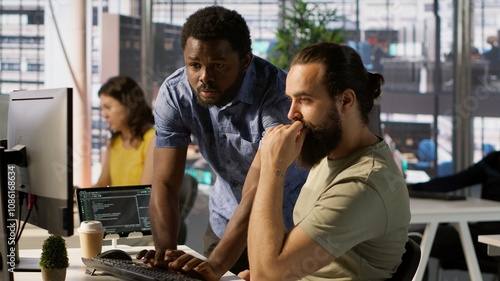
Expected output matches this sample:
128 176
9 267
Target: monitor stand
127 248
28 264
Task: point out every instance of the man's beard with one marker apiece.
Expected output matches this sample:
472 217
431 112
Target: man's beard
320 140
224 98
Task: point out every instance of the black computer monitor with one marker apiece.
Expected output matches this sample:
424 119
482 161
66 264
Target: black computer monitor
123 210
41 122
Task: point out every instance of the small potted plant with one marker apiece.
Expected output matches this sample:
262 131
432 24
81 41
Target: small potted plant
54 260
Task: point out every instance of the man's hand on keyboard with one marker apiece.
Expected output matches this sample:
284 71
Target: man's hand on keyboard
181 261
154 258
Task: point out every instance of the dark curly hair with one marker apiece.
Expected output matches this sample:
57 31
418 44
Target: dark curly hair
218 23
344 70
131 95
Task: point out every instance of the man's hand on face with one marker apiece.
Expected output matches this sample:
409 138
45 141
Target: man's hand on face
282 144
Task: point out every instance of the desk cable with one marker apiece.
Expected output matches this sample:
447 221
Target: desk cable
31 203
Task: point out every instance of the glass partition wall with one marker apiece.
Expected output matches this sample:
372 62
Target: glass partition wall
439 97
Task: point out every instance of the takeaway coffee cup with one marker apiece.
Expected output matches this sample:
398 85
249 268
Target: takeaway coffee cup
91 237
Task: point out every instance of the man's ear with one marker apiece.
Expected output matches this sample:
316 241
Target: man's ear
247 59
347 99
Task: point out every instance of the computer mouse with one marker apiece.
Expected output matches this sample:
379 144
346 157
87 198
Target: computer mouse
114 254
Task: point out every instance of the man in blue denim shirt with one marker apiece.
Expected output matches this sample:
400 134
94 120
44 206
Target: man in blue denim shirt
226 98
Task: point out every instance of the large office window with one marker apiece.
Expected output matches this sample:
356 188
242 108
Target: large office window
418 98
21 44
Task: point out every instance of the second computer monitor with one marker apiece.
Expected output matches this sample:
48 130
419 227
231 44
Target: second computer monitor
123 210
41 121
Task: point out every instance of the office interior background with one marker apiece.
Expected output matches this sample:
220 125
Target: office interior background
436 87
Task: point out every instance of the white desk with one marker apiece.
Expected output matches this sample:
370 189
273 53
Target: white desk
76 270
415 176
493 242
459 214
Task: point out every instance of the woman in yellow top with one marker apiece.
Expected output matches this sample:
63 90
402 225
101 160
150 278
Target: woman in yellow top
129 155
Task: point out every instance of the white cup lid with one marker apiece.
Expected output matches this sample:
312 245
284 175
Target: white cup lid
91 226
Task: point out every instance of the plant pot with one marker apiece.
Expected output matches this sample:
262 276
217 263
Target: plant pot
54 274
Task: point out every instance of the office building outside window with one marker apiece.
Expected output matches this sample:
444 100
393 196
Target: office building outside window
413 106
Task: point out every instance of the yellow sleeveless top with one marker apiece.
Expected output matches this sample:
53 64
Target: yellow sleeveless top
126 165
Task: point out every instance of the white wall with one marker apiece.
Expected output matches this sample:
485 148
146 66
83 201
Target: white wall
4 112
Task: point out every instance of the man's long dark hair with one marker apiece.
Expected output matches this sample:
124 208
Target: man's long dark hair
344 69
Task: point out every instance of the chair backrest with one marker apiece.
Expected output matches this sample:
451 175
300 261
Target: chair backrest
408 267
202 172
187 196
445 169
487 148
426 150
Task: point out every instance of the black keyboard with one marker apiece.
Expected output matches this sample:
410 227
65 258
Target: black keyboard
131 270
435 195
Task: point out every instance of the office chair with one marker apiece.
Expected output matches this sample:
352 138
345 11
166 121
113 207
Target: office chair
188 193
487 148
445 169
425 155
202 172
409 264
485 265
426 151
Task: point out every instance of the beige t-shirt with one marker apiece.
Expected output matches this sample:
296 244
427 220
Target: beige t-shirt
357 209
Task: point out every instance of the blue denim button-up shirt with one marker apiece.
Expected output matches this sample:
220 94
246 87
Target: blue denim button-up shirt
228 136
